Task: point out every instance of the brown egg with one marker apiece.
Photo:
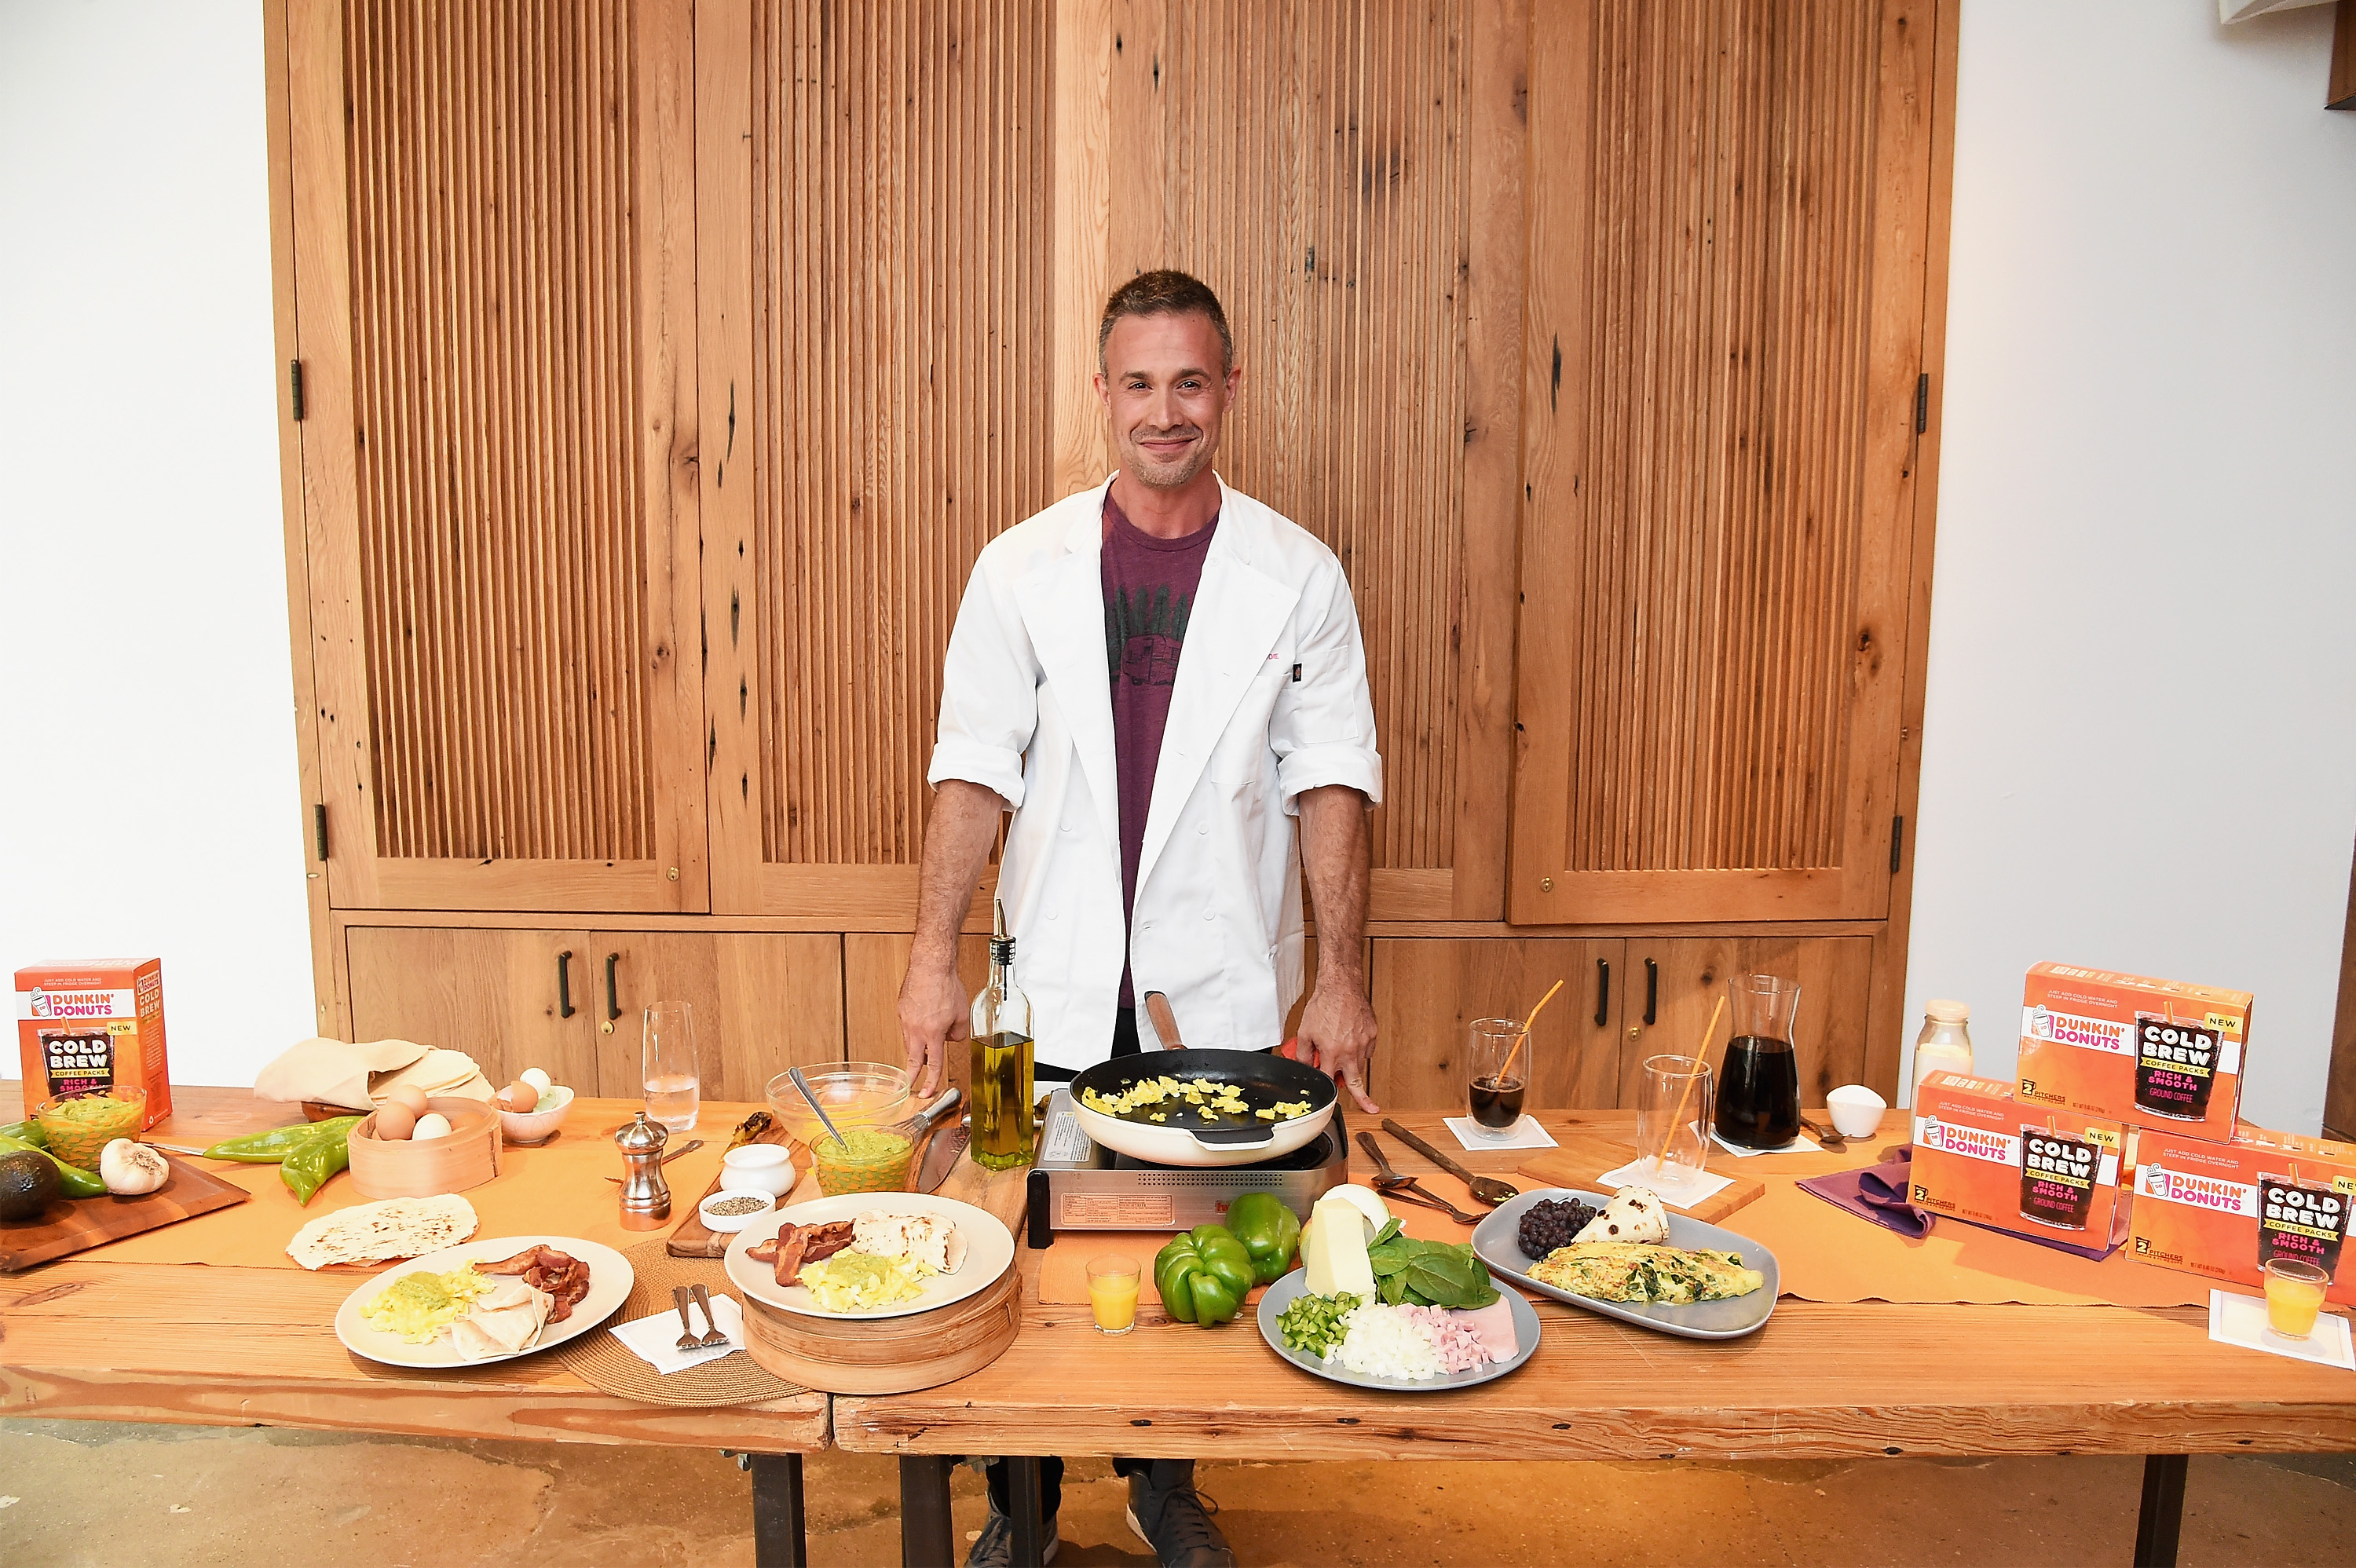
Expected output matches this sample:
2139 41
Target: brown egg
410 1095
394 1121
519 1096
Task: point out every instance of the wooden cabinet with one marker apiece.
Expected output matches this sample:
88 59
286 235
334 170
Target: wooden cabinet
763 1002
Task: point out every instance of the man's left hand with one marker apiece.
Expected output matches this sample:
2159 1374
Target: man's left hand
1338 1037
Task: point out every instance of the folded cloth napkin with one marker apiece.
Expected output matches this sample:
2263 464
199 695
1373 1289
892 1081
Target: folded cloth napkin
1875 1192
654 1340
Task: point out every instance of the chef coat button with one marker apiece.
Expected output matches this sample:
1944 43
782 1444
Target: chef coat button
1052 913
1210 914
1203 828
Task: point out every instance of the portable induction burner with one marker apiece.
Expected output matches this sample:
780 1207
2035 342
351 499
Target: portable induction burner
1077 1184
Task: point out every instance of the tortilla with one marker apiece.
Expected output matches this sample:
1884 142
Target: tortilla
375 1232
501 1321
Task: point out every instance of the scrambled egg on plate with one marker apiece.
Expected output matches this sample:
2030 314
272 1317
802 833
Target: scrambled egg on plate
862 1282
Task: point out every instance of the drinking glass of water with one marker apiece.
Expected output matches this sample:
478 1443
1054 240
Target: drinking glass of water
673 1088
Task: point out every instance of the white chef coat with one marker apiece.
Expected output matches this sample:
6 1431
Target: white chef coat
1270 700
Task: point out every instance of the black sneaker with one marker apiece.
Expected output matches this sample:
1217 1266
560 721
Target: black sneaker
995 1548
1175 1522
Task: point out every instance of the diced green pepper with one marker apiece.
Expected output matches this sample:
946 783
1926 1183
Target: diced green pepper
1269 1231
72 1181
1204 1275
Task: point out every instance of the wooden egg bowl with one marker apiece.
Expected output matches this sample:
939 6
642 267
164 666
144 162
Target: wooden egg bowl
466 1156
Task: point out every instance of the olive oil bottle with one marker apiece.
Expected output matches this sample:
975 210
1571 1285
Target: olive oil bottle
1000 1082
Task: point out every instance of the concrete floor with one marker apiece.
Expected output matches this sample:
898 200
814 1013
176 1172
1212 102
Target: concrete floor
82 1495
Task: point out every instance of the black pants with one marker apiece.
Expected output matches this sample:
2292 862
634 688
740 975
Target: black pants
1051 1469
1051 1479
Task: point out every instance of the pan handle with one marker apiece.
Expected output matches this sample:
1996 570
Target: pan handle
1234 1137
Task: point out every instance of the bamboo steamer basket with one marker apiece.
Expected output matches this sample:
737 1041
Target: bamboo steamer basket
887 1355
466 1156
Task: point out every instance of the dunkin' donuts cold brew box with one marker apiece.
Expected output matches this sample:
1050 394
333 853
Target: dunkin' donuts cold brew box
2223 1210
94 1025
1982 1154
2148 1053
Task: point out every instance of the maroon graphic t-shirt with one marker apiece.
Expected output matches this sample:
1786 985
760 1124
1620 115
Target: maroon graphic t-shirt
1148 596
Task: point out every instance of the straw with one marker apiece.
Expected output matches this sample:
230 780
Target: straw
1679 1120
1526 1022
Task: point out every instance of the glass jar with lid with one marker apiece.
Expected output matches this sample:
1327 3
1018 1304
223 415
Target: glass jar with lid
1946 1043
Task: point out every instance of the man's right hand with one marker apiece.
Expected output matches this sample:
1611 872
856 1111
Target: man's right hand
935 1009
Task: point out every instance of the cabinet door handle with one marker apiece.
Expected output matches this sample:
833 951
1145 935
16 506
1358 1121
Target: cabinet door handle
1602 992
612 1006
564 1007
1652 990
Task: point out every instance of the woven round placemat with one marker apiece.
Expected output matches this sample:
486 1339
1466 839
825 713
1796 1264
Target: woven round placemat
603 1361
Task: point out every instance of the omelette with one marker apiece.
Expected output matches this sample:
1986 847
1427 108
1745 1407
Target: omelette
1629 1271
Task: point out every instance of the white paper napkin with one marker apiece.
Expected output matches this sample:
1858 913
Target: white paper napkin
1803 1144
1704 1185
1524 1134
2238 1320
654 1340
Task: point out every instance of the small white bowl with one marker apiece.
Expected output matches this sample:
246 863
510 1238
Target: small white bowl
758 1168
712 1222
1856 1110
536 1126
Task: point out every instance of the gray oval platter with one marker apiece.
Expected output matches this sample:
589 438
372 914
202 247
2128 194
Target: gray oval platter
1496 1240
1279 1295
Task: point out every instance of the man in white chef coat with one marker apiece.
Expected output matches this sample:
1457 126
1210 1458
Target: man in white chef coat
1158 678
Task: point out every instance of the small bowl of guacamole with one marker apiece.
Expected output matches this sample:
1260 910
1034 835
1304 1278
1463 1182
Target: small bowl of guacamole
866 1160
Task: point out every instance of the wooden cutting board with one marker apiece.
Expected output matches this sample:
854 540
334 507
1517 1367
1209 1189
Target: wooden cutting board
694 1239
1575 1167
72 1225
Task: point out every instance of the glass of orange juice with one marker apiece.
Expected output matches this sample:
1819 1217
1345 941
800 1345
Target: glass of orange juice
2294 1296
1112 1293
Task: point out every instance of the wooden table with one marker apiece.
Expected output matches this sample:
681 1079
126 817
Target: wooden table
1819 1380
205 1344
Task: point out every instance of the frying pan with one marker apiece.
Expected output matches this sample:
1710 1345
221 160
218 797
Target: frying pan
1190 1136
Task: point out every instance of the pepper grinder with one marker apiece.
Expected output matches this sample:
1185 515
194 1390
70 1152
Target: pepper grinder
645 1194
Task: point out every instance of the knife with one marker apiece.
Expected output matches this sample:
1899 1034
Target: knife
1487 1189
943 1148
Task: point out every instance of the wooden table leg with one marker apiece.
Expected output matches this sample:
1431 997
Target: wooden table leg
927 1540
2163 1510
778 1538
1023 1506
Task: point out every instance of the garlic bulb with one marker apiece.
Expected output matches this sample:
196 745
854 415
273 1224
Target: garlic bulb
129 1168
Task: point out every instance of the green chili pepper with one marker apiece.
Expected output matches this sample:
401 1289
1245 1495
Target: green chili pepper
269 1147
1204 1275
306 1169
26 1133
72 1181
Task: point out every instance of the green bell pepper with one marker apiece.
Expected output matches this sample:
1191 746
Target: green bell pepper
72 1180
1269 1231
269 1147
1204 1275
308 1168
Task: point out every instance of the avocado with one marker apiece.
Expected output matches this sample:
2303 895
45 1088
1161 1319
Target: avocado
28 1185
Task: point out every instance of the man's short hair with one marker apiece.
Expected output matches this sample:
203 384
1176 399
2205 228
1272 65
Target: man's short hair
1165 292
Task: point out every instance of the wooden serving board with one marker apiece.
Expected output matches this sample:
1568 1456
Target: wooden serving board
74 1224
1577 1168
694 1239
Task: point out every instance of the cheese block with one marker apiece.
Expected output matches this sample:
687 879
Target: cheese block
1636 1215
1333 1250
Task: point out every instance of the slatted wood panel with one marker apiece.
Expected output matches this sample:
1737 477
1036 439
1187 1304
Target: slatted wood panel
1725 328
493 246
897 415
1308 159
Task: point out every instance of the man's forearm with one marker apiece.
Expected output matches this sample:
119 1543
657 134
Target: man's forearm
1334 850
958 836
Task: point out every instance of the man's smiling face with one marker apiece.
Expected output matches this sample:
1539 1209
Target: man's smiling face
1167 387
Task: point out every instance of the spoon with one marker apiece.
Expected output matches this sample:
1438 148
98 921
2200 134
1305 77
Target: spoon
1825 1135
1487 1189
1404 1188
802 1083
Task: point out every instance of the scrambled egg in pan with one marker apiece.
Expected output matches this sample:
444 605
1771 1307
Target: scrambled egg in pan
1207 1095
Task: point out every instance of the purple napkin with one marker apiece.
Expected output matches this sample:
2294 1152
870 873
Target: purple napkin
1876 1193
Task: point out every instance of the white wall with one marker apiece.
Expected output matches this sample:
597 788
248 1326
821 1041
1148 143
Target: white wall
148 802
2144 520
2140 746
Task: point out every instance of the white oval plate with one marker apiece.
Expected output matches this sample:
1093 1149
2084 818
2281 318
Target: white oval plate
1281 1295
610 1278
990 1251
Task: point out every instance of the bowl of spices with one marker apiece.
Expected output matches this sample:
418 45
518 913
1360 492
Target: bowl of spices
726 1211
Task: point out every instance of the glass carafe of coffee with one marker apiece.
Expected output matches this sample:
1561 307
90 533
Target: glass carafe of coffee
1759 1092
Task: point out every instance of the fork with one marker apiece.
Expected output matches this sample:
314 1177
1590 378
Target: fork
1405 1188
690 1339
717 1336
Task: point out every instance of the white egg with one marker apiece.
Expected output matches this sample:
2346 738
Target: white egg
433 1124
535 1077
